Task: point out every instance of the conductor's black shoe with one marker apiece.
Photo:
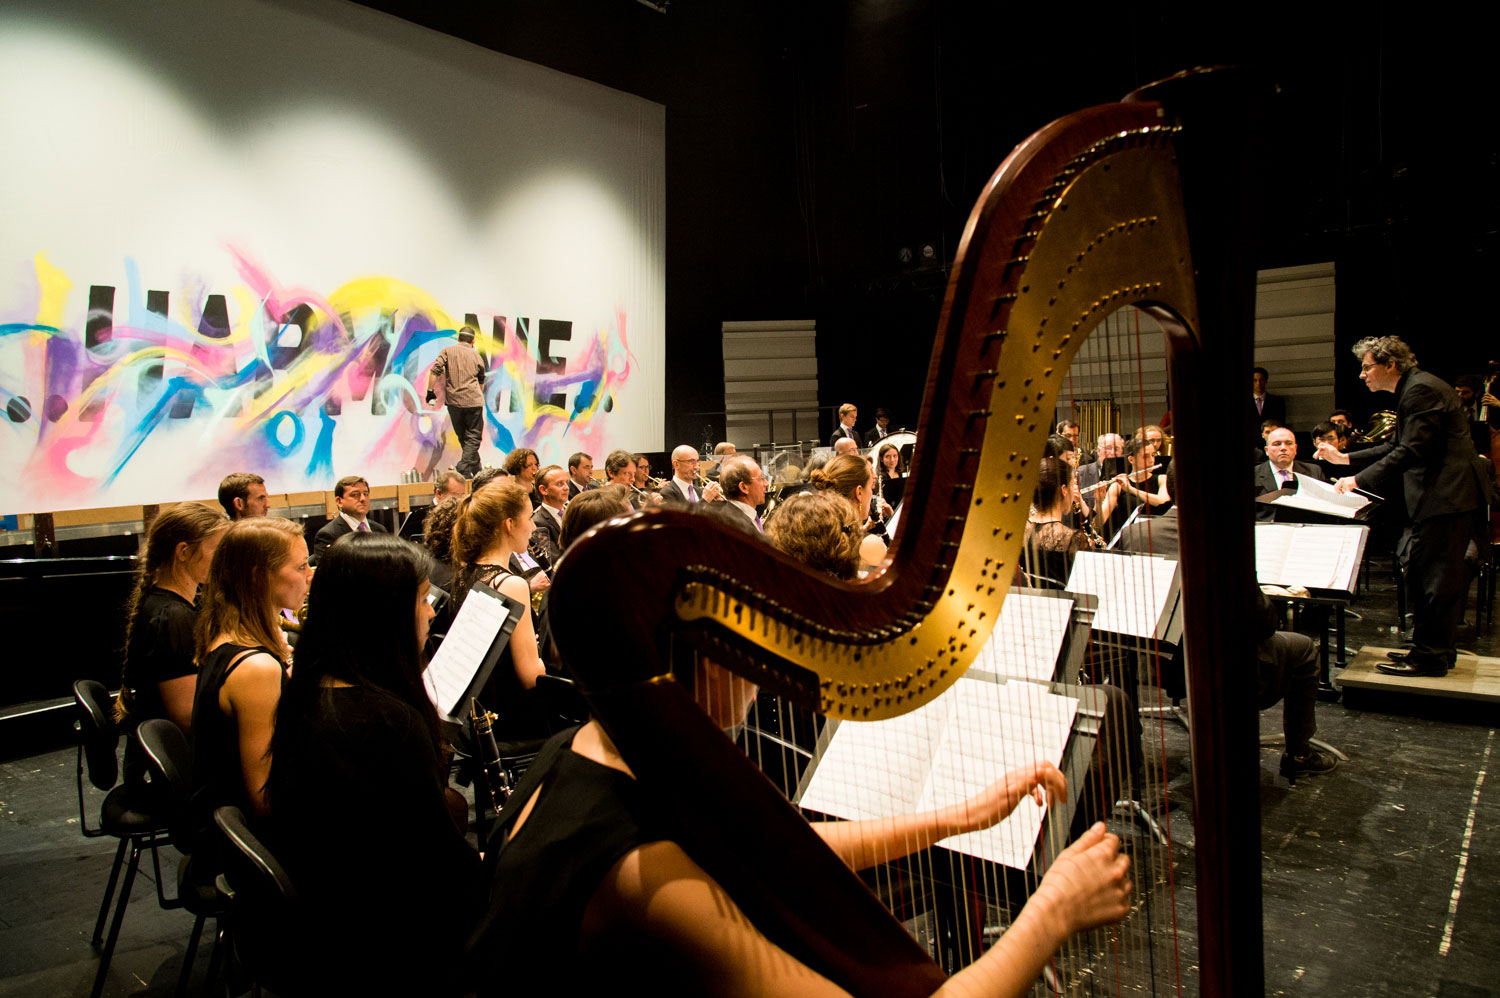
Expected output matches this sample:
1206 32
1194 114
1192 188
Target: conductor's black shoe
1413 667
1314 763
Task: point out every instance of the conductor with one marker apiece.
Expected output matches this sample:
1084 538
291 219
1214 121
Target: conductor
1433 458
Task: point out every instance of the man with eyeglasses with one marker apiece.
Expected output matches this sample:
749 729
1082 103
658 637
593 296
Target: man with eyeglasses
684 484
745 485
1433 461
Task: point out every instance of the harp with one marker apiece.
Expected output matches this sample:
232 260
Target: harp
1137 203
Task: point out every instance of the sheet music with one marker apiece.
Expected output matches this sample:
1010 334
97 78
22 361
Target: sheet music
1027 638
463 650
1318 556
944 753
1134 590
1320 497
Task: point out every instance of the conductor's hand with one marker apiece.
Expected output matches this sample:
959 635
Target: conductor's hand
1041 781
1328 452
431 396
1088 884
1345 485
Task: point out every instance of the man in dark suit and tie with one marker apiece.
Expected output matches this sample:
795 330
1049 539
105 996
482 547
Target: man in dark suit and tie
352 497
1432 458
580 473
1279 470
848 413
552 483
683 485
1267 406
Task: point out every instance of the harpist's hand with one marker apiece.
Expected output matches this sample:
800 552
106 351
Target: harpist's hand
1039 781
1088 885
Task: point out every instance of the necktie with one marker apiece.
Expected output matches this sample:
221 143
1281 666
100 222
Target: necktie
1285 476
758 526
692 494
1260 403
362 526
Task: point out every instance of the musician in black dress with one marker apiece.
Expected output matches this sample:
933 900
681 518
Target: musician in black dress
1050 544
593 880
259 569
357 783
892 472
495 524
159 675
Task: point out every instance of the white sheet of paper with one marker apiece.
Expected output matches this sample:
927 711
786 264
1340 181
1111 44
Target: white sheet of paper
1320 497
944 753
1027 637
463 649
1315 555
1134 590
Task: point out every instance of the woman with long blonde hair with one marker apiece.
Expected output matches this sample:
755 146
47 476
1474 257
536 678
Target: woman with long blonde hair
259 569
494 525
851 476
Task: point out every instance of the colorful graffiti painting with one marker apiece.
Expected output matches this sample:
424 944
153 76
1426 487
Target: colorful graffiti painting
155 395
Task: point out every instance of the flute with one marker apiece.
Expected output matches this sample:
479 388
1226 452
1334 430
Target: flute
1135 476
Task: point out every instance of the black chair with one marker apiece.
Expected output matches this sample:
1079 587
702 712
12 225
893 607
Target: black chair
171 766
135 825
270 936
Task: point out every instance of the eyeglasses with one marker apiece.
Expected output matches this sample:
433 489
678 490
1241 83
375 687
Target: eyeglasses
1367 368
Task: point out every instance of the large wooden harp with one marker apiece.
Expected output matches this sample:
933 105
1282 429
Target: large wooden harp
1134 203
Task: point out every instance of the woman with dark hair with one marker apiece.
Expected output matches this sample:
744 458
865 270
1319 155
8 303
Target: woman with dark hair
892 472
159 676
437 537
1049 545
259 569
357 781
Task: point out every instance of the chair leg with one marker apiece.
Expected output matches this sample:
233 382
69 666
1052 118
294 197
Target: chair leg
109 892
218 964
187 958
114 926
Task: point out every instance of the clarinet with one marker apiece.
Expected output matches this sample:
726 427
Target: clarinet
497 784
1086 524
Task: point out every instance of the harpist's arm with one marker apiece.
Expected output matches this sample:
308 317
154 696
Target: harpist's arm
864 843
657 891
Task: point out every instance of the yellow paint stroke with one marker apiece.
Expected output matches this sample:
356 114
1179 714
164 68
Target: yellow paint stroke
54 286
386 294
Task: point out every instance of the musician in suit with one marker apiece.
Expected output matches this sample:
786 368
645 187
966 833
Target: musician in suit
351 495
1433 459
1267 406
848 413
745 486
546 545
449 483
619 469
580 473
1277 471
881 429
683 485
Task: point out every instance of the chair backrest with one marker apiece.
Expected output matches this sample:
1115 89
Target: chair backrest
99 737
272 877
169 756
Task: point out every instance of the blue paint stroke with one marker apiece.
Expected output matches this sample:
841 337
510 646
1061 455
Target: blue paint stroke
322 455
